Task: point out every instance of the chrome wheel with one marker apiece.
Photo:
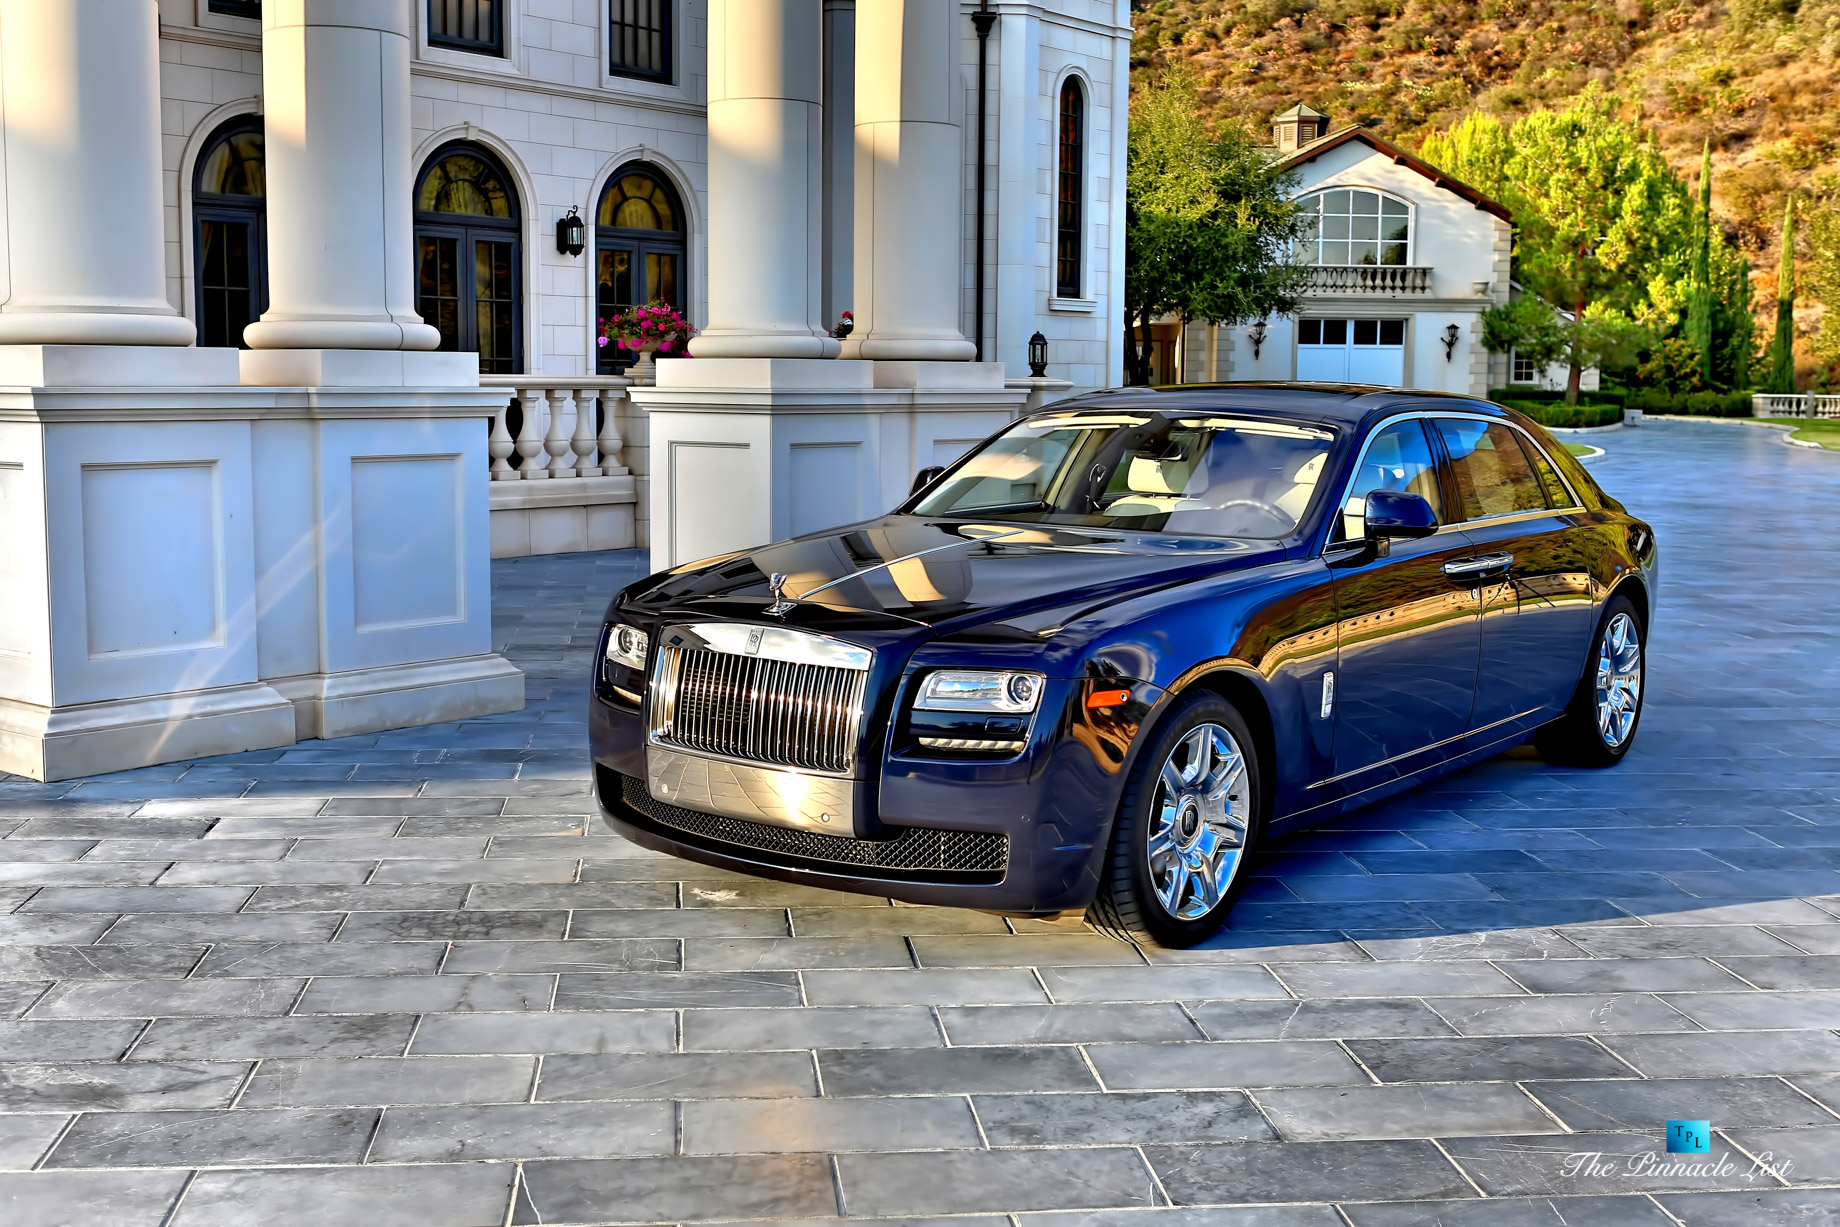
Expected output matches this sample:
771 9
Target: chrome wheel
1197 827
1619 680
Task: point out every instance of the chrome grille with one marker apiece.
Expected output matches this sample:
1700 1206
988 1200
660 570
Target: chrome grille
757 709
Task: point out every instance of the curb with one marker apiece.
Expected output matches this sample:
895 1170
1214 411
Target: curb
1593 454
1785 431
1587 430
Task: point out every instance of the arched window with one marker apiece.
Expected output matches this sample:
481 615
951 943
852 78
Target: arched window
468 260
638 248
1072 188
1354 226
229 233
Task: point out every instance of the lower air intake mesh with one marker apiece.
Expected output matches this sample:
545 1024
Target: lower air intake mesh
914 853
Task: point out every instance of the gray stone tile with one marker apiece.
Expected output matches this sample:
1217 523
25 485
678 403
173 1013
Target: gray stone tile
1621 976
1033 950
1755 1208
804 1027
1067 1024
675 1189
1787 972
257 960
1558 1015
1210 1066
923 1071
1752 1009
16 850
302 825
1728 1053
963 1182
349 1035
1120 1119
1512 1212
445 1195
523 1131
585 955
758 892
677 1075
25 1139
622 1031
87 1199
584 895
122 875
1638 1104
1823 1086
16 996
57 929
676 990
1800 1156
1487 1060
425 994
1549 1166
1664 941
1210 1216
216 1139
1305 1171
453 926
267 873
1499 944
1324 1018
319 849
97 962
1093 984
315 1083
790 1126
66 1041
86 1086
150 998
679 922
356 898
501 870
794 953
243 927
1815 939
137 899
1259 946
1395 979
1410 1111
891 922
189 850
1009 986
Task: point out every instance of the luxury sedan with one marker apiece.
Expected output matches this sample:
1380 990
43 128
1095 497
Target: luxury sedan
1101 659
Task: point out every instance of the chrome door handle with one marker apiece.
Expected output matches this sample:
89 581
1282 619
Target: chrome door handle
1465 568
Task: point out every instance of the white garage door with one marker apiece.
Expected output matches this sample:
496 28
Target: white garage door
1352 351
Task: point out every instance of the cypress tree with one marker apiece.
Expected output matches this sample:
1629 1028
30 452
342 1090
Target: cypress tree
1782 350
1699 294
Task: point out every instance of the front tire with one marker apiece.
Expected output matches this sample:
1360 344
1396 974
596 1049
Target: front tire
1187 822
1599 725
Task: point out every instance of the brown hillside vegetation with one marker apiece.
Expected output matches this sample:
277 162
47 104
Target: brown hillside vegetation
1760 78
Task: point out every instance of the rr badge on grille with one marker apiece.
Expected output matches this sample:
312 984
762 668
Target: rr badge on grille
754 637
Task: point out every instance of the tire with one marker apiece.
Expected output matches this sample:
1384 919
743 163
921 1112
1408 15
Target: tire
1599 725
1214 820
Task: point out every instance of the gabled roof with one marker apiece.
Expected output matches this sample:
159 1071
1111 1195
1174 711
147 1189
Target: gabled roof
1315 149
1301 111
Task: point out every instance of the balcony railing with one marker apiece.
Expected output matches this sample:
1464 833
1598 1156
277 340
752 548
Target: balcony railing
1794 405
567 426
1369 279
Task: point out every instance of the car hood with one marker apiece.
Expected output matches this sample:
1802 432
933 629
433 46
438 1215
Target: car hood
909 570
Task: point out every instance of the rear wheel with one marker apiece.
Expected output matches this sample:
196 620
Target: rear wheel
1599 726
1186 823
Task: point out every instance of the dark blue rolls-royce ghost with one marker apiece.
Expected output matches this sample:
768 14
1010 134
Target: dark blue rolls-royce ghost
1099 660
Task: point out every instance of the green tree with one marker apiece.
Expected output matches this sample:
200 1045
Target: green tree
1533 329
1209 221
1781 377
1699 290
1600 218
1475 151
1824 277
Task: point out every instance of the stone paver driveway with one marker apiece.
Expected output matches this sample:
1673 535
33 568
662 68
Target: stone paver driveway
409 979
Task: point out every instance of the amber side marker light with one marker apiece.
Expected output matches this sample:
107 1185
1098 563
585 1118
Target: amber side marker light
1108 698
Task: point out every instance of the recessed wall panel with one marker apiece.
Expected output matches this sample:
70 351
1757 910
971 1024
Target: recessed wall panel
408 541
153 567
824 485
708 481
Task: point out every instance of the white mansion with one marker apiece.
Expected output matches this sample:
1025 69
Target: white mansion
300 303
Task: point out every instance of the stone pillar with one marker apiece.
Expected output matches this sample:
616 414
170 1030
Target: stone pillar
84 261
909 184
765 206
341 257
839 177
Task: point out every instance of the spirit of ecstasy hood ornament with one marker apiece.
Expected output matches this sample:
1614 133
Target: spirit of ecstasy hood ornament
777 586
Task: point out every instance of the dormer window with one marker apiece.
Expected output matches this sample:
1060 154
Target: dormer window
1347 226
1298 127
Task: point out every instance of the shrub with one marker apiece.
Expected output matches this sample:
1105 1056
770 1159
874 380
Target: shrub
1696 404
1606 396
1548 413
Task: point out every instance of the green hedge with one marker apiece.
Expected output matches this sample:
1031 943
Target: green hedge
1549 414
1696 404
1606 396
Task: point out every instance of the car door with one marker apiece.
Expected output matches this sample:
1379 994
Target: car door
1407 633
1535 592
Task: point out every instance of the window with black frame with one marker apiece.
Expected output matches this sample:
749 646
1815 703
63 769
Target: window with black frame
467 25
1072 186
237 8
469 264
639 251
639 39
230 233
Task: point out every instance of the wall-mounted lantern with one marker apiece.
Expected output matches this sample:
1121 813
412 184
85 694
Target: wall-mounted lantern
1256 334
1452 334
571 235
1038 355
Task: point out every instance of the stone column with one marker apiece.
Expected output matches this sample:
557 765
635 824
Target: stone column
909 184
341 257
765 204
839 157
84 260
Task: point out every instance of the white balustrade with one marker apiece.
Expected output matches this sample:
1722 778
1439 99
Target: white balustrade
1824 406
557 437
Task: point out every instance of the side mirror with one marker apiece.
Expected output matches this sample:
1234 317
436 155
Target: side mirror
926 477
1398 513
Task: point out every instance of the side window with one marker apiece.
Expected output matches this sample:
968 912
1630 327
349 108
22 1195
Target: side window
1397 458
1494 476
1556 493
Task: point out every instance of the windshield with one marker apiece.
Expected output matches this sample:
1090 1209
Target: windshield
1205 475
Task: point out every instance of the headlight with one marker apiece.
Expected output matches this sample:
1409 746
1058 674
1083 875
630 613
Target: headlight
965 690
626 645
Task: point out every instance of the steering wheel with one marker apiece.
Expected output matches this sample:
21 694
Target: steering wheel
1285 522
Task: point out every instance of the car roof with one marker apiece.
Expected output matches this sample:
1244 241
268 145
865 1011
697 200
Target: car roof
1346 404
